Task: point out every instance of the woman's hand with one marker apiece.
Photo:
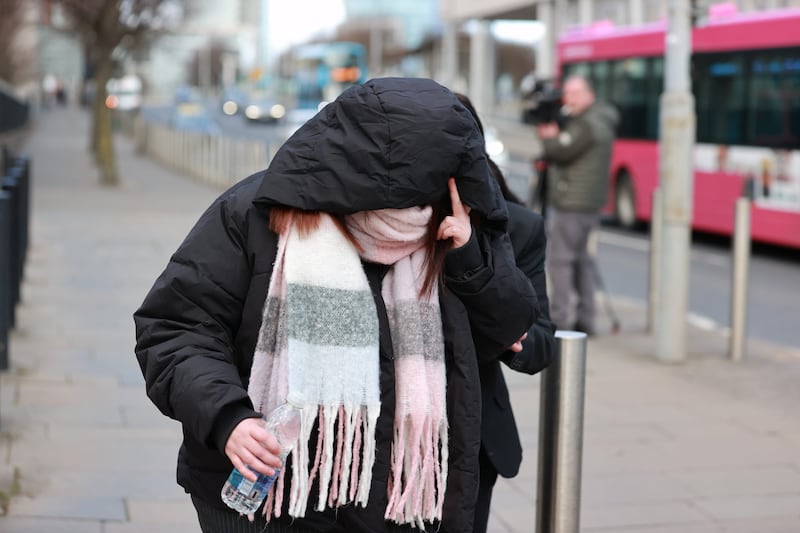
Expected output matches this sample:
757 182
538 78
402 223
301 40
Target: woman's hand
456 226
517 346
250 444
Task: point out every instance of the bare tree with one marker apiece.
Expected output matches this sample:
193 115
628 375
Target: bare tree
12 59
109 28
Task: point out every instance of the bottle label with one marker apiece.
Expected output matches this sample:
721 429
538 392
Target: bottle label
252 490
243 484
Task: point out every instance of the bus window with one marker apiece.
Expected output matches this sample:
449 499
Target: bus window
719 88
655 86
577 69
629 94
601 80
774 102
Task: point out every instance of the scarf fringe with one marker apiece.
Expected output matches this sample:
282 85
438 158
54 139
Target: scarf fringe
345 474
419 471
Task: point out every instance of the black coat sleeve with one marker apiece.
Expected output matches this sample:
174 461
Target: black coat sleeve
529 242
499 298
186 325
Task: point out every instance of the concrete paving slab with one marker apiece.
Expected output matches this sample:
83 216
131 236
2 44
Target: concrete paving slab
620 517
50 525
766 506
633 488
179 512
741 480
70 506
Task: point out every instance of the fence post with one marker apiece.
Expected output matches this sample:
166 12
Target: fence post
10 184
741 261
6 299
561 436
23 172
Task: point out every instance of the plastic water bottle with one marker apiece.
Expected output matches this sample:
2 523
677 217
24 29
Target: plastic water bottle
246 496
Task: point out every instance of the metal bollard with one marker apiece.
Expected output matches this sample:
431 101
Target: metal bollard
558 483
741 261
6 300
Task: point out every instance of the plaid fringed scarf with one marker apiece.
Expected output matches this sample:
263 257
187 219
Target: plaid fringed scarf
319 341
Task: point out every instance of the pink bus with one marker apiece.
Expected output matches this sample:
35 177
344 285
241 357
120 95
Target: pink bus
746 84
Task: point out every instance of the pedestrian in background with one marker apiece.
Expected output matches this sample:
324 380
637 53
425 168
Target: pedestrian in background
366 271
501 449
578 158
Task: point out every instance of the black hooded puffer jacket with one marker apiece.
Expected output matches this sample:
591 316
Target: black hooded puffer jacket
387 143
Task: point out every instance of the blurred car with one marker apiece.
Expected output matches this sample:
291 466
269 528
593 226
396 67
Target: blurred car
496 149
194 117
186 94
264 108
233 100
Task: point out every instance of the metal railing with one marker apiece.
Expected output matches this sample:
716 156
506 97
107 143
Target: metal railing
214 159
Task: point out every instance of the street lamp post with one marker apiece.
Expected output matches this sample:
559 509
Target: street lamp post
677 137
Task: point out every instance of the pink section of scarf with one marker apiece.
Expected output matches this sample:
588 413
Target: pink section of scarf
388 235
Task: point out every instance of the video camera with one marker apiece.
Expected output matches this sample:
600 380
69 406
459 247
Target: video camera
542 104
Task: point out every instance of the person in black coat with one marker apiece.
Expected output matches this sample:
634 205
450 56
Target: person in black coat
501 449
389 145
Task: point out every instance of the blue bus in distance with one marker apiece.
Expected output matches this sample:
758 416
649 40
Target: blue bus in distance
322 71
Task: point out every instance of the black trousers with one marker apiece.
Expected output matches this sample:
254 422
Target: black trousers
215 520
485 487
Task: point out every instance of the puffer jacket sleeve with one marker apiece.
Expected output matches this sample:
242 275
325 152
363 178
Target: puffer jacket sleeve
186 325
538 347
499 298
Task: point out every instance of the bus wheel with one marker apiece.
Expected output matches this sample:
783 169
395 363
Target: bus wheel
625 201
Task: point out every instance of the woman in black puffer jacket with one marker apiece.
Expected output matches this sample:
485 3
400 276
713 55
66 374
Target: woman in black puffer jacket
210 346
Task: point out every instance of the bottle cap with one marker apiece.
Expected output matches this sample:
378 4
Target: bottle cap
295 399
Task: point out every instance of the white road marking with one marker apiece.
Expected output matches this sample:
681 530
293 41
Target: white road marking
615 239
643 245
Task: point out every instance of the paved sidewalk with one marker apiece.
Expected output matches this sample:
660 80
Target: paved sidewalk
701 447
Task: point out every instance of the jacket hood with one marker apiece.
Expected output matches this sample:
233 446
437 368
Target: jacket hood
388 143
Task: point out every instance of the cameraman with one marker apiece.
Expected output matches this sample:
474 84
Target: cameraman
578 157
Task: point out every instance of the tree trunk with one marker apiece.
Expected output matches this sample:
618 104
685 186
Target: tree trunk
102 125
96 103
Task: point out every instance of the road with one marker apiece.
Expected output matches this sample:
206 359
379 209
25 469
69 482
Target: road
772 308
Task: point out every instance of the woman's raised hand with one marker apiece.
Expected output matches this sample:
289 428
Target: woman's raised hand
456 226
